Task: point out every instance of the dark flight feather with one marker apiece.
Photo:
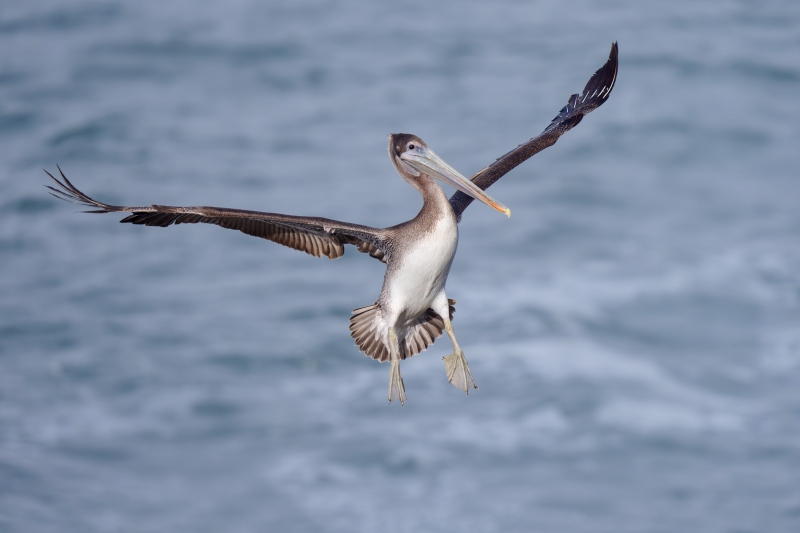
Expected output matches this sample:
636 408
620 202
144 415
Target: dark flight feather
594 94
313 235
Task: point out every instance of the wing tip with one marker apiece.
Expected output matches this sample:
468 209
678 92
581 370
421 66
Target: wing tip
594 93
68 192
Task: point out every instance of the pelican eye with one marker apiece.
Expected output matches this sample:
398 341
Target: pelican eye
411 146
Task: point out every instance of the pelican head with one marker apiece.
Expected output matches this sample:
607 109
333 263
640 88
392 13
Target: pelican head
412 157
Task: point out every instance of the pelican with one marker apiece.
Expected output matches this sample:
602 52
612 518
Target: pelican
412 309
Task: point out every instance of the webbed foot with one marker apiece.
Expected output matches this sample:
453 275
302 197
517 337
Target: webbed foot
458 372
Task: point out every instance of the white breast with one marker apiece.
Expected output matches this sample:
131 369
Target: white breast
422 273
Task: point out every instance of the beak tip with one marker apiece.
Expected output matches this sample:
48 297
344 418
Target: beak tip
508 212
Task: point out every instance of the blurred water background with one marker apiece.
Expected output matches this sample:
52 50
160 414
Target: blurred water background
634 327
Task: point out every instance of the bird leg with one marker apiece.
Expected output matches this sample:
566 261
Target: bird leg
397 391
458 372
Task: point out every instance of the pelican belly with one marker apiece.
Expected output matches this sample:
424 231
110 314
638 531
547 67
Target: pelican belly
420 277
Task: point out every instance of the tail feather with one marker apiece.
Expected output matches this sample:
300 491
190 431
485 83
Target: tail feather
371 333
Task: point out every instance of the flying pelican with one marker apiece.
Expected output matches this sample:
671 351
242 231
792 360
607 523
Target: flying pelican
412 309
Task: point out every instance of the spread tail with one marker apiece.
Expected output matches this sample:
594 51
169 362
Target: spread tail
370 332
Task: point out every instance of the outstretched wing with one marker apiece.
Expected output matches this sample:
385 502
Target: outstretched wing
593 96
313 235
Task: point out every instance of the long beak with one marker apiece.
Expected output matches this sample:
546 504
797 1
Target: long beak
434 166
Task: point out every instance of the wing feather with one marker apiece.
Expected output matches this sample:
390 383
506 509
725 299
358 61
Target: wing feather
594 94
313 235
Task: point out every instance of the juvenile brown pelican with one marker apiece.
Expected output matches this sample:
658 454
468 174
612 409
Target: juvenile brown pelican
412 309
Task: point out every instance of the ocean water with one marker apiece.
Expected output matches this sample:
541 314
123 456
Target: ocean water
634 327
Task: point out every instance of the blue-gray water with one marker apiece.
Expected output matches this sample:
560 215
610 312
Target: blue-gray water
634 327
